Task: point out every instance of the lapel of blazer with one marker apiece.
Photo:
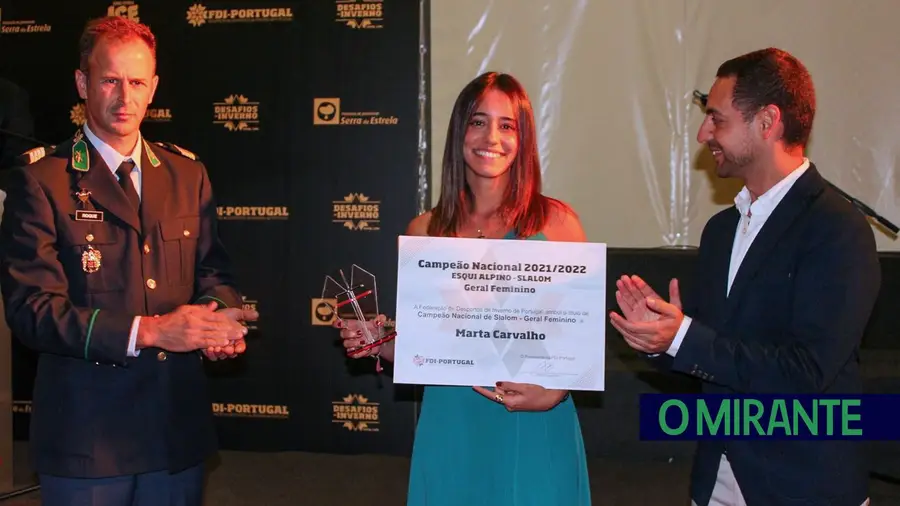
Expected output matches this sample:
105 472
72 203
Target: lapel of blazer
795 202
154 183
719 263
106 194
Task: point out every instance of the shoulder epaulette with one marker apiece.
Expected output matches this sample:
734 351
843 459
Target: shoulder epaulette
177 150
33 155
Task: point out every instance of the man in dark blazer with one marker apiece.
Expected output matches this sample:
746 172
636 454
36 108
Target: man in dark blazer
785 284
111 269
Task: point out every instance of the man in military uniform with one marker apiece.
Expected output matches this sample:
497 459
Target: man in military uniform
111 269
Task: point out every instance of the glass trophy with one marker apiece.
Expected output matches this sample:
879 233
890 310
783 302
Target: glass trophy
356 298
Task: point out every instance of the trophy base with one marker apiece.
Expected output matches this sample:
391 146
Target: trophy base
374 344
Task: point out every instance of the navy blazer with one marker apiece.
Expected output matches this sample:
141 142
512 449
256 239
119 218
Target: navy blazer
792 323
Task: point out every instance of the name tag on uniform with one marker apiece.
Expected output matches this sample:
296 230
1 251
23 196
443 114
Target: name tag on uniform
81 215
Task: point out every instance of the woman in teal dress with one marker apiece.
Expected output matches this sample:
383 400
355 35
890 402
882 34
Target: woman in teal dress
514 444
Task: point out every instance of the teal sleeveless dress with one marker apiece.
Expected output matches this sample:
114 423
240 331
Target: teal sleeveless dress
470 451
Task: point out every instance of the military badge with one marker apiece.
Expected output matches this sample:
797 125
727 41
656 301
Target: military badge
90 260
83 196
80 158
87 211
154 161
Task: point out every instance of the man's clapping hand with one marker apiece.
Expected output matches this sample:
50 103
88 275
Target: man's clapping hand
237 347
219 334
648 323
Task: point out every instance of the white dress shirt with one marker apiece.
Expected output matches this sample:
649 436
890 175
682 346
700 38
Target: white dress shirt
113 159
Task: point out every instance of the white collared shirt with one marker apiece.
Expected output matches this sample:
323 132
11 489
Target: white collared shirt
753 217
113 158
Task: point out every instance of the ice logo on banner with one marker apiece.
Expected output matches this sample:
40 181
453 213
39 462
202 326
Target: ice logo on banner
124 8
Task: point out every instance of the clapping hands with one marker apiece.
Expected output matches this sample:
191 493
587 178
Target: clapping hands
648 323
237 346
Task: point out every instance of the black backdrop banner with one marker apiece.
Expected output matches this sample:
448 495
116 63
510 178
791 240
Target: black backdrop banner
306 116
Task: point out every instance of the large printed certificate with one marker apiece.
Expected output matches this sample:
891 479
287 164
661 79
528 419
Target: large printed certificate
477 311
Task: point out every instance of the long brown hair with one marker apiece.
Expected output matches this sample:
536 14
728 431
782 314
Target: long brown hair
525 209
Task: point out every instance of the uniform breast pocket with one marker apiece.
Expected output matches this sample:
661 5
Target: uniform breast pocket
94 253
179 237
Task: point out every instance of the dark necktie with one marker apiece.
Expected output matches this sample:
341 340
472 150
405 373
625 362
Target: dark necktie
124 173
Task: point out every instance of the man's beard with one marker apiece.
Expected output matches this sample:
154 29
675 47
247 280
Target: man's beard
734 164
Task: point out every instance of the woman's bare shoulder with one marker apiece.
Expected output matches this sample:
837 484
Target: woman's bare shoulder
563 224
419 224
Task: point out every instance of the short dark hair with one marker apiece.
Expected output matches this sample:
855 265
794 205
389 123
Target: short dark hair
774 77
115 27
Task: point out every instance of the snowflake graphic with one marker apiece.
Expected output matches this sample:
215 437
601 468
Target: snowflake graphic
196 15
77 114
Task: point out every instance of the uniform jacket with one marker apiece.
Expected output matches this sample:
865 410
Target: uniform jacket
97 412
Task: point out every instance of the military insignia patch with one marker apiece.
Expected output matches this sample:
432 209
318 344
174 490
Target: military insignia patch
178 150
90 260
83 196
33 155
80 158
154 161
